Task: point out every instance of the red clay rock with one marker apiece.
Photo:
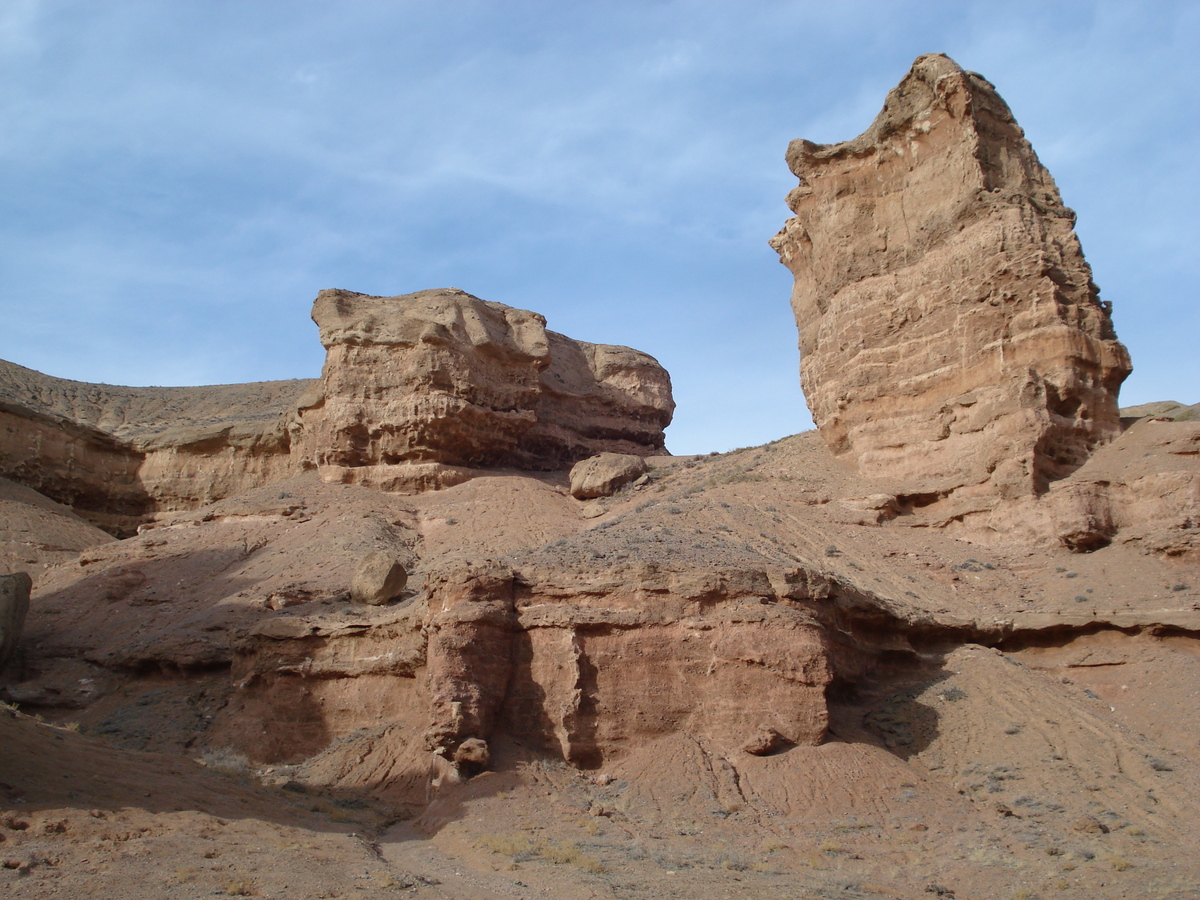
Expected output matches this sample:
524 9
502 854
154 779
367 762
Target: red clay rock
116 455
950 333
418 392
36 532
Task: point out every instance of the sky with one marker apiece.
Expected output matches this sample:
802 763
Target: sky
178 178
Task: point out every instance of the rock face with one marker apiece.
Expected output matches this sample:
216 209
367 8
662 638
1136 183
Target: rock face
118 454
418 387
417 392
1145 487
14 605
36 533
950 333
591 669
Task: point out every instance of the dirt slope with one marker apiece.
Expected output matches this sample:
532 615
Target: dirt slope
1003 721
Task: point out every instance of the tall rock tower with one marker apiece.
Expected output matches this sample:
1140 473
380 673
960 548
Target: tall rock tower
951 336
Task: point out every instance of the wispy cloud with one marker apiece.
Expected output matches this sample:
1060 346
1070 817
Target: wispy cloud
178 178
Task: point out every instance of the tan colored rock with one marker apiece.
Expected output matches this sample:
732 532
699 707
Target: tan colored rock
602 475
445 380
951 336
1089 825
736 612
469 652
590 673
117 455
417 393
1145 486
14 606
379 578
764 742
473 752
282 628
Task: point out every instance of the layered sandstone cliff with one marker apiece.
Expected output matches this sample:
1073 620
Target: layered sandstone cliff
119 454
417 391
951 336
418 388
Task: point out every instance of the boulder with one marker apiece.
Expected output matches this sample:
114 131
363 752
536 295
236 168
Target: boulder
951 335
473 752
14 604
605 473
378 579
765 741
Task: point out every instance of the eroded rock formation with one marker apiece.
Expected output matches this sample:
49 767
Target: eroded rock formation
418 388
951 336
601 475
417 392
590 667
116 454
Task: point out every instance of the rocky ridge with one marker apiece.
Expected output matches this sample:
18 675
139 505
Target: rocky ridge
418 391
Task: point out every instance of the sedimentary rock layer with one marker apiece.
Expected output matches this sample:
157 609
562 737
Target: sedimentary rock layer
950 332
591 669
118 454
417 385
417 392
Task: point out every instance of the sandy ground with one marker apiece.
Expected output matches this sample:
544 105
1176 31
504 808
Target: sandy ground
1029 728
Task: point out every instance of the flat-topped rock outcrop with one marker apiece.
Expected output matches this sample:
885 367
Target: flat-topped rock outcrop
951 336
118 454
419 387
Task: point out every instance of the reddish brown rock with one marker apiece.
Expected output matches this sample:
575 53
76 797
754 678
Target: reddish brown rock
117 455
417 392
1142 488
469 657
380 577
950 333
36 532
418 389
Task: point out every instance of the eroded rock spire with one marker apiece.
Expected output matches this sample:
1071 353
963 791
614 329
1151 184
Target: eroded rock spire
951 335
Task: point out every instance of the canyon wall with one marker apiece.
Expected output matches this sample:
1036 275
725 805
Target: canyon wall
117 455
418 391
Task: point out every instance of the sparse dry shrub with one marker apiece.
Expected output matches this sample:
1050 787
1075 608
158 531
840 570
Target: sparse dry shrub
241 887
1118 862
562 853
225 760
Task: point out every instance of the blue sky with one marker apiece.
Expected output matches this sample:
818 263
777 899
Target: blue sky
178 179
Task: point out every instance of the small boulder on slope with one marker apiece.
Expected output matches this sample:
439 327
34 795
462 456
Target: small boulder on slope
378 579
601 475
